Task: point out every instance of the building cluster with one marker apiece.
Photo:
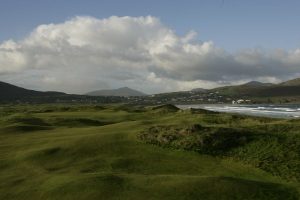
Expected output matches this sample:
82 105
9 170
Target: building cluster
190 97
241 101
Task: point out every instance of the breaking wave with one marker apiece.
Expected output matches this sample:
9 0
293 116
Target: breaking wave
277 111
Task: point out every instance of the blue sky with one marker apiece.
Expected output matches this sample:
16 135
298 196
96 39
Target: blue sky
231 24
76 45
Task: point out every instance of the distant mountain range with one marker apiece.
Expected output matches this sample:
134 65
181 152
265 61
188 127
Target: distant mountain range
124 91
254 89
13 94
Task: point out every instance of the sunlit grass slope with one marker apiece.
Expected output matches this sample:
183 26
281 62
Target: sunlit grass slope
93 152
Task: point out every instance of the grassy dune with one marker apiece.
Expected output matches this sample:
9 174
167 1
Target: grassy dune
95 152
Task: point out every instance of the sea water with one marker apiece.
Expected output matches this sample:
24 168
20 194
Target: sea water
265 110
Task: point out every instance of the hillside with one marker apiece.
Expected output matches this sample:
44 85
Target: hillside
199 90
12 92
294 82
249 88
124 91
254 91
257 89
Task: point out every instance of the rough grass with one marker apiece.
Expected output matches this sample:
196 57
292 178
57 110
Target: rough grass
271 145
197 138
108 161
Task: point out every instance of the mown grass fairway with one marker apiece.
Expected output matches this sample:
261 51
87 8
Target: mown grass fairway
93 152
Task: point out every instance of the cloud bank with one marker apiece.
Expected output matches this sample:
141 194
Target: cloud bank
86 53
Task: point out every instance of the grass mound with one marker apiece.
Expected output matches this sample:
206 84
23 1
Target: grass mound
28 120
129 108
25 128
79 122
24 123
274 153
196 137
167 108
120 186
201 111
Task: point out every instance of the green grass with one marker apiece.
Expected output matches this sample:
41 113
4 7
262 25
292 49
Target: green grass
93 152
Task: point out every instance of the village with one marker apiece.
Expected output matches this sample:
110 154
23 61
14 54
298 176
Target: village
189 97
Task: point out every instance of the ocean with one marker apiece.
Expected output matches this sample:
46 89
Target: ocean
264 110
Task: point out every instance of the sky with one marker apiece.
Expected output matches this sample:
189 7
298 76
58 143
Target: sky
76 46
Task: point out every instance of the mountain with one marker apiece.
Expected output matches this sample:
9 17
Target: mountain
124 91
12 92
257 84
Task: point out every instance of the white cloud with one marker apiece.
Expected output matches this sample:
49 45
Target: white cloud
139 52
